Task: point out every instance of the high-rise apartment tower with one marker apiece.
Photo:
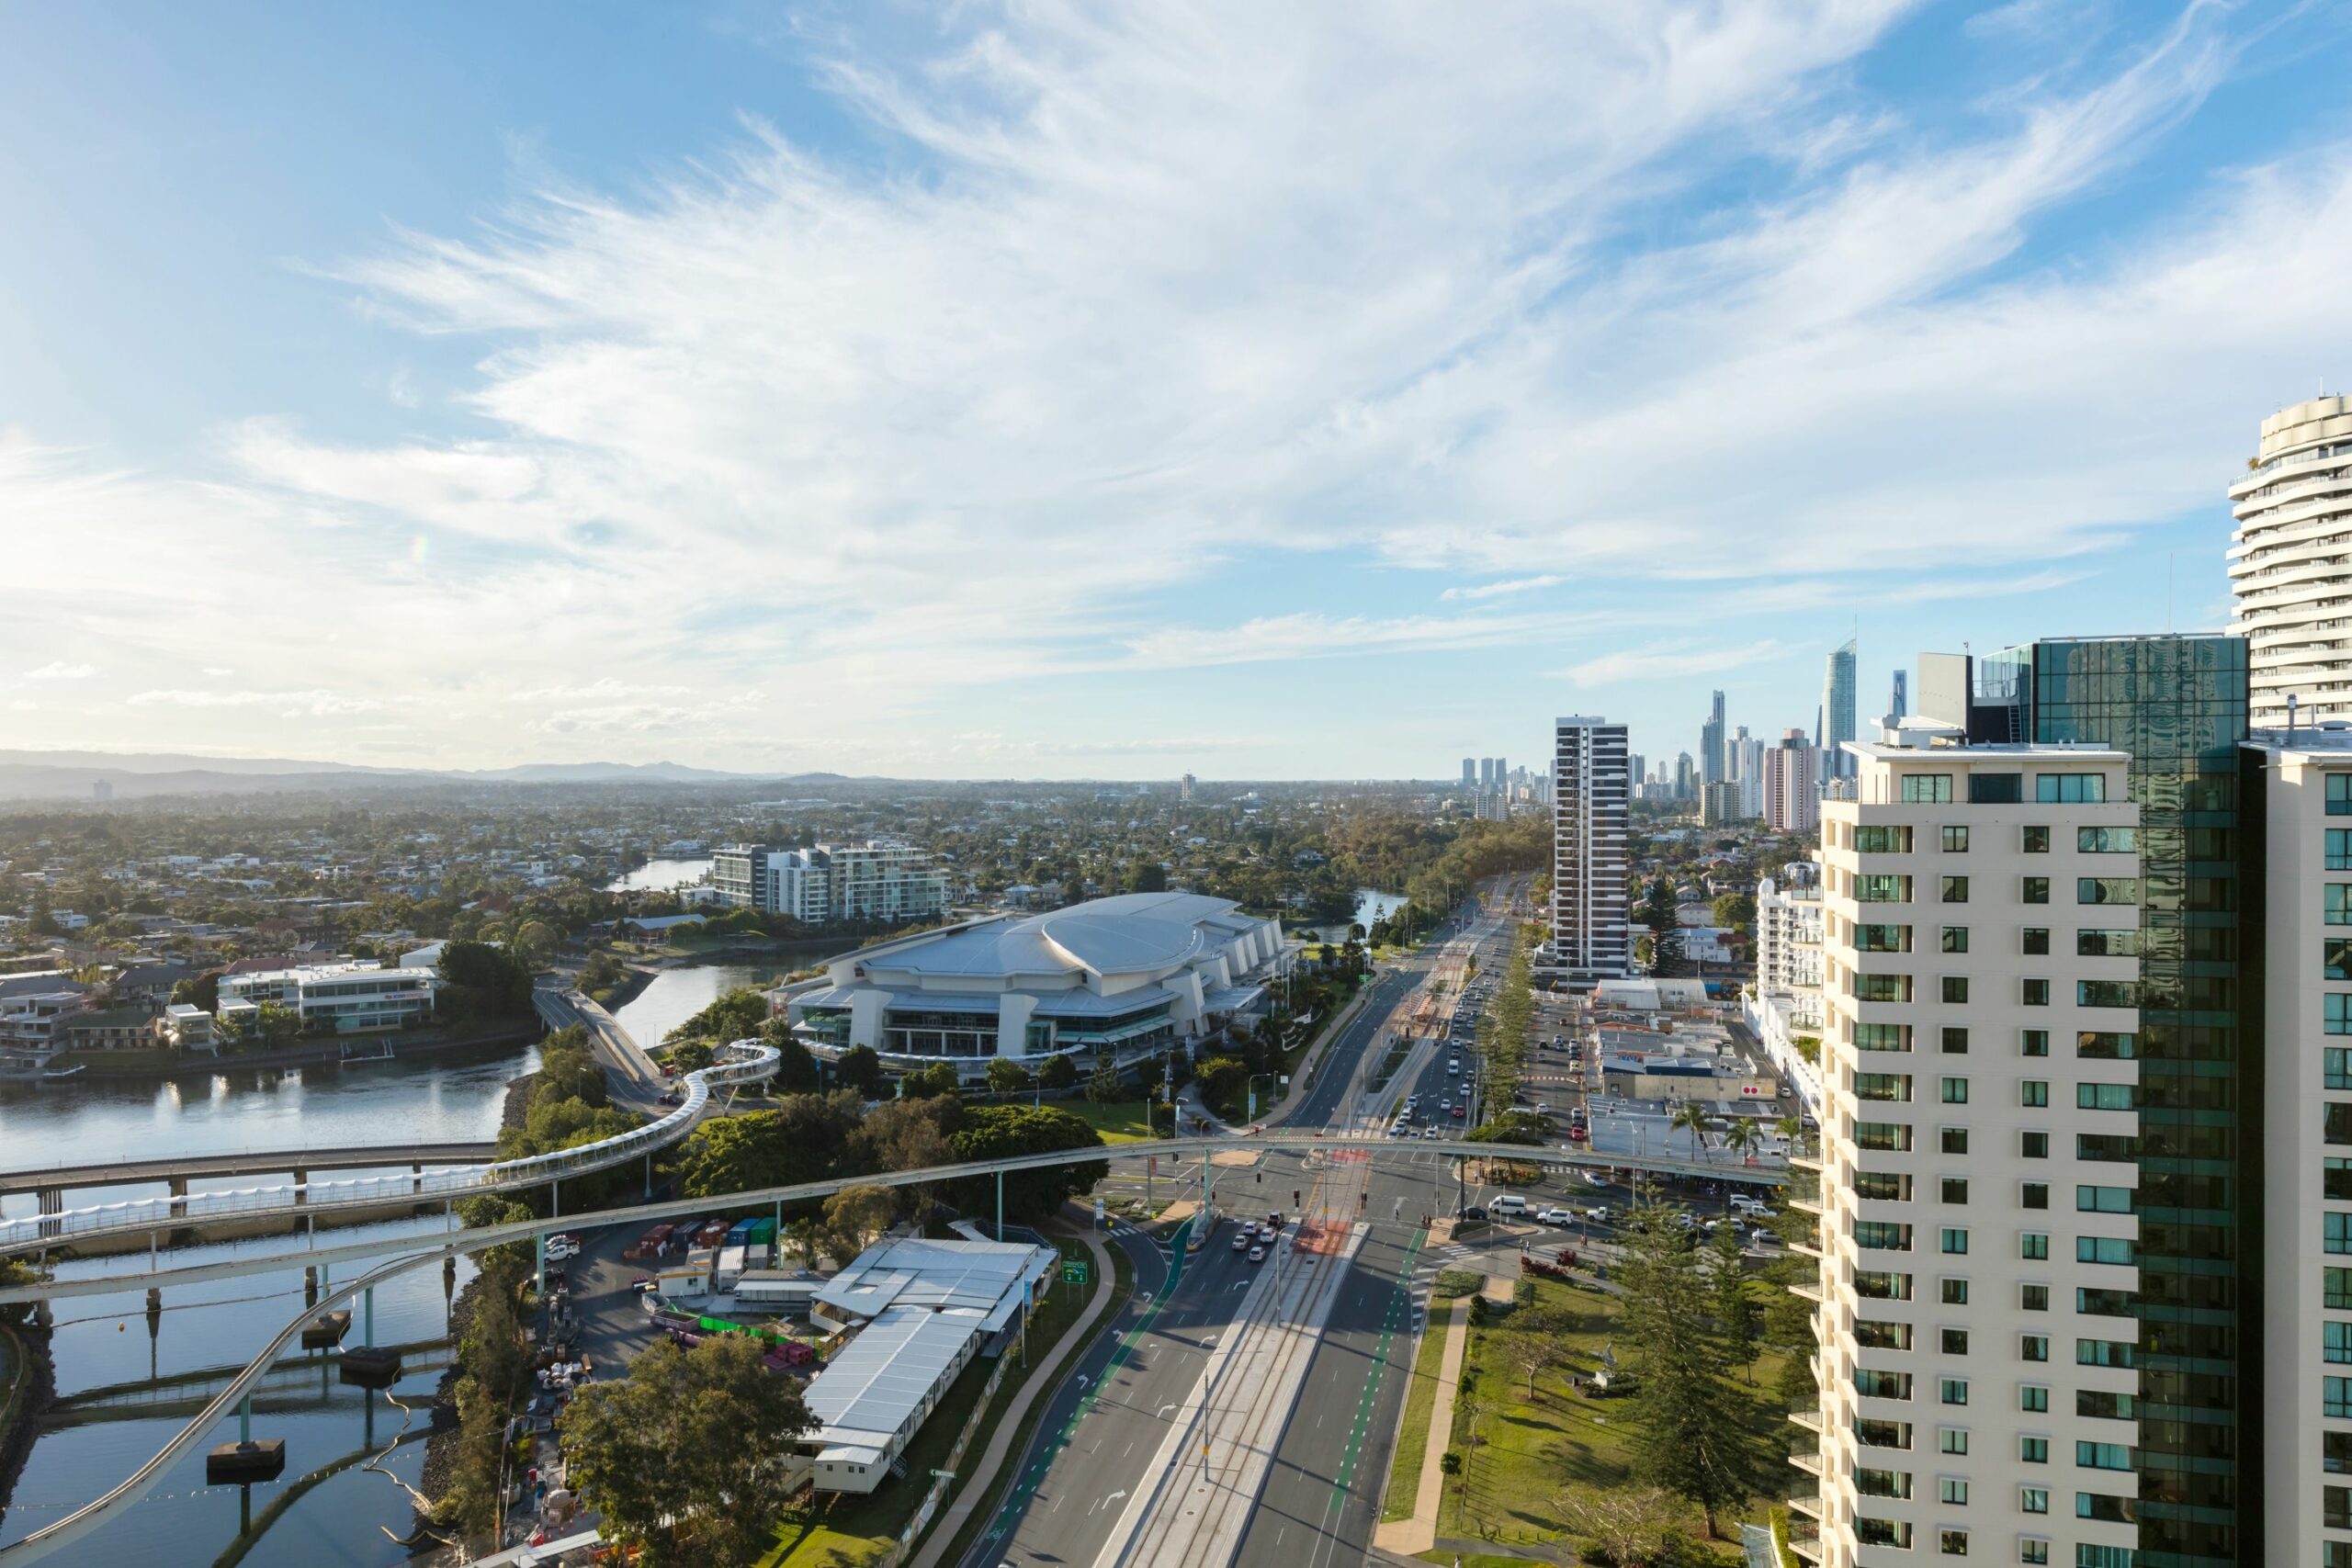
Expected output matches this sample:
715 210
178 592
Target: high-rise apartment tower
2290 569
1712 765
1592 933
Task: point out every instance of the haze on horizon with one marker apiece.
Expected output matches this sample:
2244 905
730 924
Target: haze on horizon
1316 393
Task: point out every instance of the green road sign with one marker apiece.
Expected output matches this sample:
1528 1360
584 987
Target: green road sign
1074 1270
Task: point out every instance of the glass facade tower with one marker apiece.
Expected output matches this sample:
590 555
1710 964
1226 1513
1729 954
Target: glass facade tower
2178 706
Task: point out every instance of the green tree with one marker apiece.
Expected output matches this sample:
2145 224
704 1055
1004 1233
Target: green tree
680 1456
995 1132
1007 1076
535 942
796 1067
1689 1419
569 1068
738 1015
805 1138
1057 1071
925 1083
855 1216
483 980
470 1501
1690 1116
1739 1316
1103 1085
1146 876
1734 909
860 1068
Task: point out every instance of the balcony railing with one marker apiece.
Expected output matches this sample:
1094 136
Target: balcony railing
1811 1421
1809 1505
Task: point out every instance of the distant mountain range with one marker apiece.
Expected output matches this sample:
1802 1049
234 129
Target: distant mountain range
55 775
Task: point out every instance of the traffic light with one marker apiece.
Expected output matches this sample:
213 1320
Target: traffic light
1261 1179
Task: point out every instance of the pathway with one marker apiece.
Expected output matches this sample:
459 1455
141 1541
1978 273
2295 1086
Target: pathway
1419 1534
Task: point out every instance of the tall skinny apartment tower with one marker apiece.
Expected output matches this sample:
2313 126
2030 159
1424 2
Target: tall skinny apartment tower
1977 1239
2288 567
1592 929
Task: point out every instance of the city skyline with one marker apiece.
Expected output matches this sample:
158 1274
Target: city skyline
373 444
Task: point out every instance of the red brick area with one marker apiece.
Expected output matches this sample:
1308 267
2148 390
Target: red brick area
1322 1237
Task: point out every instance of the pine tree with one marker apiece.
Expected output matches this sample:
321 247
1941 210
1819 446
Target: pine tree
1690 1435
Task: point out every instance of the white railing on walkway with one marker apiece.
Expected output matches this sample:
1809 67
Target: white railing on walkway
745 1061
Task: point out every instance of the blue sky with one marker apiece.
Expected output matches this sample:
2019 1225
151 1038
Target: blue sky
1037 390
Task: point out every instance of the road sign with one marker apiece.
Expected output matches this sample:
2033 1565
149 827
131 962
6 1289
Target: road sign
1074 1270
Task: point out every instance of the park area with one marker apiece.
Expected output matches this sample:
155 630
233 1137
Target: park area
1536 1452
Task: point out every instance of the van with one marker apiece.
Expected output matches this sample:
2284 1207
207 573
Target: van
1509 1203
1741 1202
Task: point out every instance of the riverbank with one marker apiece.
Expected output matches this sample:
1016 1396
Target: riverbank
26 1381
122 1066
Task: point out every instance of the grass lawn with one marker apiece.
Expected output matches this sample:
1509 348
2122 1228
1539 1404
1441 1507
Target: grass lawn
1413 1428
1120 1122
1529 1448
842 1530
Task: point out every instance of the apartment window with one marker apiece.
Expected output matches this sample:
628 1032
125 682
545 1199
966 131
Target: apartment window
1879 1285
1886 1235
1875 1434
2335 1122
1995 789
2036 890
2105 841
2339 794
1881 887
2336 1398
2338 906
1953 1341
1926 789
1955 939
2034 1399
1952 1390
2339 849
2034 1245
1951 1440
1955 890
2336 958
2033 1145
2109 1510
1953 1543
1882 1483
2033 1298
2098 1096
2034 841
2107 890
2036 1552
1952 1489
1955 1041
2035 1347
2335 1178
2036 993
1869 1531
2335 1231
1952 1140
2335 1341
1955 989
1882 988
1955 1239
1883 1137
2034 1451
2334 1512
1954 1091
2114 1249
1879 839
2096 1405
1873 1335
2103 1353
2069 789
1881 938
2336 1452
1955 840
1955 1190
2034 1195
2106 943
2103 1557
2102 1199
2107 993
2034 1499
2102 1456
1882 1086
1872 1384
2037 937
1882 1037
2034 1093
2338 1013
2335 1289
1882 1186
1953 1292
2105 1046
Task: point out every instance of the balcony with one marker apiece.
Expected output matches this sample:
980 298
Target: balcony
1811 1421
1807 1159
1808 1460
1810 1245
1813 1206
1809 1505
1813 1293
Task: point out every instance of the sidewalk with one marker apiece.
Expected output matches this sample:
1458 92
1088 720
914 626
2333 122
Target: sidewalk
1003 1449
1419 1534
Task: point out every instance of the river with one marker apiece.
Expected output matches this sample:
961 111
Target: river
661 875
676 995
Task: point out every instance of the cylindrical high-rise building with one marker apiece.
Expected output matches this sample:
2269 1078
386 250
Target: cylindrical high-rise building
2290 563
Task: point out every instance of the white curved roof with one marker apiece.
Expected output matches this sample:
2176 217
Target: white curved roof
1131 933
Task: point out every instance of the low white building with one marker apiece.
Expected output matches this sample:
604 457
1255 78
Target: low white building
347 998
880 880
1784 1007
1127 976
922 1311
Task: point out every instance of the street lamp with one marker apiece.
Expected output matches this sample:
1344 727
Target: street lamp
1284 1078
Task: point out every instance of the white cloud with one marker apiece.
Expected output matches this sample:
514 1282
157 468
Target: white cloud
1661 663
58 669
218 670
313 703
1498 589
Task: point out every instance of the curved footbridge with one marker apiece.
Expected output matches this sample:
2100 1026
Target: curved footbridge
743 1061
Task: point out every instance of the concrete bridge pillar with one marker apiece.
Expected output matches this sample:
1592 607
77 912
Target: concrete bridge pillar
416 1177
52 1201
310 1286
302 1186
177 1187
44 1318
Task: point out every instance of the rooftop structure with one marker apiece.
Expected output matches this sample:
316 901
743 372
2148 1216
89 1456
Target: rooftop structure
345 997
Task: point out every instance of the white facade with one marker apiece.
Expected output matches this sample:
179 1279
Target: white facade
349 996
1976 1234
1592 932
2289 570
1792 785
2306 1117
1785 1003
1126 976
880 880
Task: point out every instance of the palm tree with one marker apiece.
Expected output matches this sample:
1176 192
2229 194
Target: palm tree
1693 1115
1741 1137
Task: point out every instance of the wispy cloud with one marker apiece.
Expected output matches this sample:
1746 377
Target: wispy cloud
58 669
314 703
1661 663
1500 590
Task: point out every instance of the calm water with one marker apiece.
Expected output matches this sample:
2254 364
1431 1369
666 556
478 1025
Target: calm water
659 876
1372 904
676 995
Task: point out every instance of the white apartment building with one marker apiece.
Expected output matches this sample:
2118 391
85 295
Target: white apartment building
1592 932
1792 785
1976 1236
2290 563
2305 1495
1784 1005
348 997
880 880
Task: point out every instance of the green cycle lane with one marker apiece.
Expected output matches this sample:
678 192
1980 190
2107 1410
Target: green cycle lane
1398 1304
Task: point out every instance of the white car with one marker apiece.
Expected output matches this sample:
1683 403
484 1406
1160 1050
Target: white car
1241 1240
1598 1214
1594 1179
1257 1254
1556 1217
